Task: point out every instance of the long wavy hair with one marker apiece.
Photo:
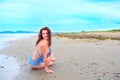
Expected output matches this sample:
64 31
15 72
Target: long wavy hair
40 35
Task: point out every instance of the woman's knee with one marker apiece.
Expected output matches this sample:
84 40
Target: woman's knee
50 63
53 59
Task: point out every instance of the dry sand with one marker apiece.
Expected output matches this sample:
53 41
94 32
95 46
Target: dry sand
76 59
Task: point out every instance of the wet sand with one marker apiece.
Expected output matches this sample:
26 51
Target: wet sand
76 59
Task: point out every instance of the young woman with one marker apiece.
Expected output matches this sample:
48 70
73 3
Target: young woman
42 56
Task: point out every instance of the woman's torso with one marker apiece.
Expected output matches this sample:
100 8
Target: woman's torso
38 50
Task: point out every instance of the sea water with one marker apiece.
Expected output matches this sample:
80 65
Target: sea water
4 38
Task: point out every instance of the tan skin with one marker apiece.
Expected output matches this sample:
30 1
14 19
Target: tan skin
43 48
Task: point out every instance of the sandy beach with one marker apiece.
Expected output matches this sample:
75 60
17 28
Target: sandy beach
76 59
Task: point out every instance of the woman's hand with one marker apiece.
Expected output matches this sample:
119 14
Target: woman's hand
49 71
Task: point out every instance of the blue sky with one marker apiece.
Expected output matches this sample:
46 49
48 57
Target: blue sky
73 14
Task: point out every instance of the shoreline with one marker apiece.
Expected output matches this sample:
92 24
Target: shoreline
6 38
100 35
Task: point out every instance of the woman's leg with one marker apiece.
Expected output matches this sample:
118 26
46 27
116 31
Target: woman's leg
50 62
38 67
52 59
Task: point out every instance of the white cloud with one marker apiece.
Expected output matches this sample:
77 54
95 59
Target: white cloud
13 10
70 21
60 11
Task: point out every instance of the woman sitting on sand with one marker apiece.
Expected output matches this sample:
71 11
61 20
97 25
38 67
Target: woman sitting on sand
42 56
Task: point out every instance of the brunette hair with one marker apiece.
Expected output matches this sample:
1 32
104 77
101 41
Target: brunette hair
40 35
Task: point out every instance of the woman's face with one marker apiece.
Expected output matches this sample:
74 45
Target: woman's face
45 34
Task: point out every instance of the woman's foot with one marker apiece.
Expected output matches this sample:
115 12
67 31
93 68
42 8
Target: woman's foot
33 68
50 71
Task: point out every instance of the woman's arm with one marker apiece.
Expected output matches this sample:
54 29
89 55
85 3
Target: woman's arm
44 51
